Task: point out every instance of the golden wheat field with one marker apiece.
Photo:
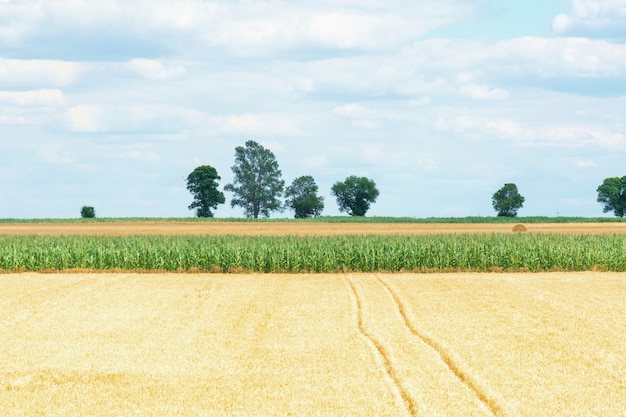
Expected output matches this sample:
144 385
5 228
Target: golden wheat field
551 344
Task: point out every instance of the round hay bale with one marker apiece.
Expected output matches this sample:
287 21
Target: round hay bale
519 228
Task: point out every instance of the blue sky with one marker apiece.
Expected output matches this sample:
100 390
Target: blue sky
440 102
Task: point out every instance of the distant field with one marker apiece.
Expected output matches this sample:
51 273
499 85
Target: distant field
310 345
281 228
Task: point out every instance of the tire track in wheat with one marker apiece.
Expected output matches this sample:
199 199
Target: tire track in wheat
446 357
410 405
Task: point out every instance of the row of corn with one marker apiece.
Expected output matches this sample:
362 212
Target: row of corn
366 253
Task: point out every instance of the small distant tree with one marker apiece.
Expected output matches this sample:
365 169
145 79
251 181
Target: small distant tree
355 195
87 212
202 184
612 195
302 197
507 200
258 183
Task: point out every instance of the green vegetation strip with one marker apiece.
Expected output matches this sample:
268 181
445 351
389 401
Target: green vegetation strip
335 219
370 253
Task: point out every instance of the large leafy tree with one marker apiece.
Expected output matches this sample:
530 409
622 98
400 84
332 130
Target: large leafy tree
202 183
612 194
302 197
507 200
258 183
355 195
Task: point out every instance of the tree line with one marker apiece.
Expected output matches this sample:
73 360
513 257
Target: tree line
258 185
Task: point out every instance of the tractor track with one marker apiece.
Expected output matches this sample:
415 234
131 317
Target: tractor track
464 376
409 403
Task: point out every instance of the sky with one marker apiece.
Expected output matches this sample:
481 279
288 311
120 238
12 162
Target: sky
440 102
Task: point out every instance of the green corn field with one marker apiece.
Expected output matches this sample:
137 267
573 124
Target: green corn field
366 253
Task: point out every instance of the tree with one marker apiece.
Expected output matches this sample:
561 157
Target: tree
257 185
507 200
612 194
87 212
355 195
202 183
303 199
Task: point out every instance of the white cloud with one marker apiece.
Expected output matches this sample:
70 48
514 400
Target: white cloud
257 28
346 30
13 120
83 119
571 135
476 125
45 97
301 85
524 57
561 23
365 117
605 137
355 111
481 92
593 17
480 69
428 69
397 161
135 119
30 17
18 20
244 28
257 124
422 101
365 123
49 73
155 70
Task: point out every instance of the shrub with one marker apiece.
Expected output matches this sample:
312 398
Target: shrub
87 212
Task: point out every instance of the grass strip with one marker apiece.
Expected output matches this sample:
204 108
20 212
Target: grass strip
334 219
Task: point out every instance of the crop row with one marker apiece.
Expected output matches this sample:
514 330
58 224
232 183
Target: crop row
463 252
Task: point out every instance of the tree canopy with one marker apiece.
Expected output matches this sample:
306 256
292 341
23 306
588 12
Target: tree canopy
507 200
257 184
302 197
612 195
87 212
203 183
355 195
